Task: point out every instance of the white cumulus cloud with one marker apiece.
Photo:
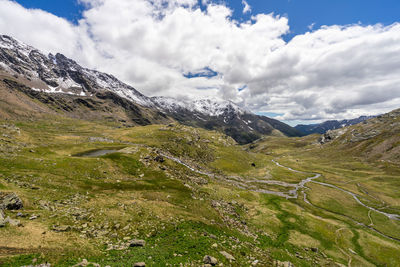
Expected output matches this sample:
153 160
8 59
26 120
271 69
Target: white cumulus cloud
246 7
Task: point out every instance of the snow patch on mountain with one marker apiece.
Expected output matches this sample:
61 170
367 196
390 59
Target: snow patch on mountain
207 107
7 42
63 75
111 83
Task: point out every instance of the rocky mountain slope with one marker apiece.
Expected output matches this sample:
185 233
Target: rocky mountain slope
240 124
62 85
20 101
321 128
32 84
376 138
59 74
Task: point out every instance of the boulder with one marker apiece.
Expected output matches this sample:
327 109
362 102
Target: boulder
10 201
159 158
283 264
13 222
2 219
210 260
85 262
33 217
137 243
228 256
61 228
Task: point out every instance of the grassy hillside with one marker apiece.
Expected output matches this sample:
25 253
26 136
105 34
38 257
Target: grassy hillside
188 193
377 139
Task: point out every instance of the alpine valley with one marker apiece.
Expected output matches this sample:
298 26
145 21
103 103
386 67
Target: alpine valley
94 173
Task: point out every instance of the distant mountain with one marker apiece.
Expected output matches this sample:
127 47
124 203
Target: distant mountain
240 124
323 127
62 85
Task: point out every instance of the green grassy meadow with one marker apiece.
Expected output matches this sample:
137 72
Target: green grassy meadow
183 215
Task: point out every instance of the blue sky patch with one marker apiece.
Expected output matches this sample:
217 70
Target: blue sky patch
242 88
206 73
301 14
269 114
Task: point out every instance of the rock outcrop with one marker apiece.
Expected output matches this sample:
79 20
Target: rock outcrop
10 201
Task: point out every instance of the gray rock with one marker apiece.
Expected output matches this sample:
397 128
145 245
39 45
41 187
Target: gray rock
137 243
228 256
13 222
139 264
352 251
2 219
283 264
365 135
61 228
33 217
213 236
159 158
85 262
39 265
10 201
298 255
210 260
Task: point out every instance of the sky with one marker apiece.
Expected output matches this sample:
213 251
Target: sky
298 61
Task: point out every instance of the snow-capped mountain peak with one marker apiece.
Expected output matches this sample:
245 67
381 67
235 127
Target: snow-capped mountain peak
208 107
7 42
59 74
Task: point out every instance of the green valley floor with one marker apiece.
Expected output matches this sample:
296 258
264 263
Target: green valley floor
96 194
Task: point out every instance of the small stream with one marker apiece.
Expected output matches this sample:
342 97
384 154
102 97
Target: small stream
244 184
296 187
247 185
356 197
291 194
389 215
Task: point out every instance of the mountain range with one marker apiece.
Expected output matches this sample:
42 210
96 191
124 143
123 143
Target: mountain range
28 76
323 127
